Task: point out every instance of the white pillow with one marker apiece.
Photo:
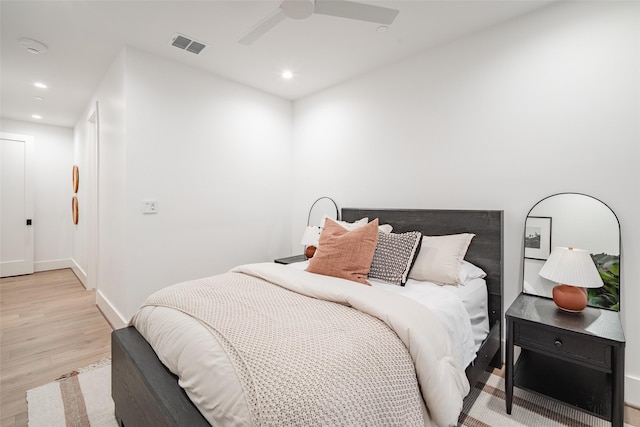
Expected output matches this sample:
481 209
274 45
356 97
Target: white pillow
440 257
347 225
385 228
469 272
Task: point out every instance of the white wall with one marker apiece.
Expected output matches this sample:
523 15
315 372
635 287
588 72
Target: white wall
52 191
215 155
546 103
79 232
111 283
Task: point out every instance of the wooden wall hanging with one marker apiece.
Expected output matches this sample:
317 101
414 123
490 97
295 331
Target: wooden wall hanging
74 209
75 178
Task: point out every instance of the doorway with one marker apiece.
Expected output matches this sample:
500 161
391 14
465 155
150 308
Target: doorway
16 205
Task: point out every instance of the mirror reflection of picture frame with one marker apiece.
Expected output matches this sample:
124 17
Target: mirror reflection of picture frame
537 237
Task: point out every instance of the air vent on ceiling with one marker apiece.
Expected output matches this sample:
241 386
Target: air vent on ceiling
186 43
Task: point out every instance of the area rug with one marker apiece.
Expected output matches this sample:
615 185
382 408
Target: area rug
80 398
486 407
83 398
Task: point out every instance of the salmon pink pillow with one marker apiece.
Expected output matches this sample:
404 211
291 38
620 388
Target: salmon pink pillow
345 254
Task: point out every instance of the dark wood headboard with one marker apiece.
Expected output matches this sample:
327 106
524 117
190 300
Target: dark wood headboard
485 251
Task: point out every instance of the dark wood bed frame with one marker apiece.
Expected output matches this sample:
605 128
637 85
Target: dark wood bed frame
146 393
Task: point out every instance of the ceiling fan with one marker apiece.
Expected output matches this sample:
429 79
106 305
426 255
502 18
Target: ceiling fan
301 9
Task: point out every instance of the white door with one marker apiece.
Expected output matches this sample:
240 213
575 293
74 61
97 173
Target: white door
16 205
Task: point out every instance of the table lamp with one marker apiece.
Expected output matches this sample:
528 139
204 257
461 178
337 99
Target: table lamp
311 235
310 239
573 270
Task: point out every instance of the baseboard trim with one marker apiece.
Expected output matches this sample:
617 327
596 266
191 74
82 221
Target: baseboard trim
632 391
113 316
54 264
80 273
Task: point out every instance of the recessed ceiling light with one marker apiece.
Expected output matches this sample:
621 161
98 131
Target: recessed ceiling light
40 85
382 29
287 75
33 46
39 98
36 116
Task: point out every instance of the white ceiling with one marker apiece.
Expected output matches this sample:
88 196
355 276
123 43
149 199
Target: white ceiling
84 37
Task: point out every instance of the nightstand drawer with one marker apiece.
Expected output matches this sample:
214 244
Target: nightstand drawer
589 352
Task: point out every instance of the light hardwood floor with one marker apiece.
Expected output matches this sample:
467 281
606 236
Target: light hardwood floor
49 326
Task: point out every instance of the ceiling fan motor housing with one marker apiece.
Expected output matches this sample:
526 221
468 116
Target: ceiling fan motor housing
298 9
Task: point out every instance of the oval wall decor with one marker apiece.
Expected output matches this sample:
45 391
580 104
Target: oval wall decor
74 209
75 178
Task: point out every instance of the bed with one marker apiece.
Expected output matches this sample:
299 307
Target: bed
145 392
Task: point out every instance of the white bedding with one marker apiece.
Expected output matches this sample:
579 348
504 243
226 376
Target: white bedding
462 310
475 299
179 342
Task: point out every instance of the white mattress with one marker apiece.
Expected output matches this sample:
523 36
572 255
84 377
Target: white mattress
467 328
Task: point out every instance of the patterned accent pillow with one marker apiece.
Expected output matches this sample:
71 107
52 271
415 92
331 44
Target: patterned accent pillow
394 256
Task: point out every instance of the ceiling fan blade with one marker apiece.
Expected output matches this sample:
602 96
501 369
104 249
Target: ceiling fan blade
355 10
262 27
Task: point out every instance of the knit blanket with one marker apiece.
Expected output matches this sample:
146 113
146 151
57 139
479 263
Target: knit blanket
312 351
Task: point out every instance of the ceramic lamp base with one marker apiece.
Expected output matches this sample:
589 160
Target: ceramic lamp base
570 298
310 251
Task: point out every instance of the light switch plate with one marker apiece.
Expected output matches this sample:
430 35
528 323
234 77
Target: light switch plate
149 206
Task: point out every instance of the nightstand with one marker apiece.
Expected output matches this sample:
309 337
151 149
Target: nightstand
575 358
290 259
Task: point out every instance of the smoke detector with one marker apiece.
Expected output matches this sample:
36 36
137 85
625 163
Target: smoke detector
33 46
187 43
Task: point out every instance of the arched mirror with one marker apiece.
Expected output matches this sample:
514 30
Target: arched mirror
579 221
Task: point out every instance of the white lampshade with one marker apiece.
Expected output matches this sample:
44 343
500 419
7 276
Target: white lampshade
571 266
311 236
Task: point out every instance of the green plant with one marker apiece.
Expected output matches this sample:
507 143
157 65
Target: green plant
608 296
